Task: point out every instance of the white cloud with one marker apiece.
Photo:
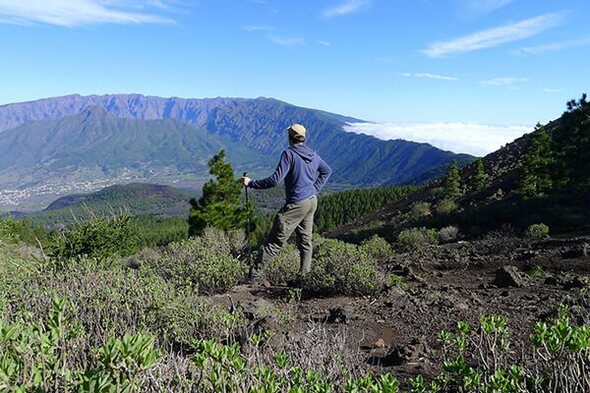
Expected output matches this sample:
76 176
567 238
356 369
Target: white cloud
555 46
324 43
504 81
551 90
347 7
481 7
69 13
259 28
427 75
494 37
473 138
286 41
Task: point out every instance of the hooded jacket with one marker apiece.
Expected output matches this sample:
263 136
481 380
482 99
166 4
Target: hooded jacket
298 166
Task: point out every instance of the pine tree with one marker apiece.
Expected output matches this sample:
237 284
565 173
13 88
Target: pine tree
538 165
479 178
220 204
571 145
452 181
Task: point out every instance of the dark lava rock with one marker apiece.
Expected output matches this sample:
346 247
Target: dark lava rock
573 282
401 354
257 309
576 251
509 276
342 315
551 280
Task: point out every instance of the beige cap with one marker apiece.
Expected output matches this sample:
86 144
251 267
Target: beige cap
297 131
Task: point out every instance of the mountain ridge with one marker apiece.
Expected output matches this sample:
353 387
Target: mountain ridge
254 130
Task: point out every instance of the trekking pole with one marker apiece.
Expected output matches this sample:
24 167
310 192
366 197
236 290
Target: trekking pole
248 222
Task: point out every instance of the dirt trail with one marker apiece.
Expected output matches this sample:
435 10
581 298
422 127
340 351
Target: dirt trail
397 331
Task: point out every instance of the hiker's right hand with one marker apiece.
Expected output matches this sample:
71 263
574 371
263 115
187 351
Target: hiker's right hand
246 181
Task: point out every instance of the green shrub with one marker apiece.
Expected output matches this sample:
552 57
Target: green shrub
342 268
537 232
8 231
209 262
420 209
36 357
417 238
100 238
445 206
393 280
284 267
377 247
113 301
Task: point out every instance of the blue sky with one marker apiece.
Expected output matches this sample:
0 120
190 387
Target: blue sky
467 75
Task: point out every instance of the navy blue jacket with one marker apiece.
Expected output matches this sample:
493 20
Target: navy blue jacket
299 166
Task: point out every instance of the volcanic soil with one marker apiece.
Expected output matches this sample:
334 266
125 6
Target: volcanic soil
397 330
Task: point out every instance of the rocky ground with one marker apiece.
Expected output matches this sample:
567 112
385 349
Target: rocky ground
397 331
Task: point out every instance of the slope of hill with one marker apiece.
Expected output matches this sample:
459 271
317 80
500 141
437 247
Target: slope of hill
501 202
255 126
135 198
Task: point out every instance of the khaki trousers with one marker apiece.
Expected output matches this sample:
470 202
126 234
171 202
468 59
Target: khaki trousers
298 217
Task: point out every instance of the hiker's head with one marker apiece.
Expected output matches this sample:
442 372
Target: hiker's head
296 133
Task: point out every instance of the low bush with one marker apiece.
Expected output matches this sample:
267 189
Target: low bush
448 234
100 238
537 232
377 247
37 357
212 262
445 206
393 280
420 209
113 301
8 231
557 363
417 238
284 267
342 269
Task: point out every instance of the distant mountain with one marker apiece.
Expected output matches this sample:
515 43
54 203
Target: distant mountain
72 138
134 198
95 143
196 112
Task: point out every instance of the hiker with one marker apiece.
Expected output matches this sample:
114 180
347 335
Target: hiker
298 166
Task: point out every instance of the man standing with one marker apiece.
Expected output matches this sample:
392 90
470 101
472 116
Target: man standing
298 166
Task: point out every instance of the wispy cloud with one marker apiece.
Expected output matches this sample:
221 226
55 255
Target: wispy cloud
324 43
428 75
555 46
504 81
471 8
473 138
347 7
70 13
551 90
494 37
286 41
259 28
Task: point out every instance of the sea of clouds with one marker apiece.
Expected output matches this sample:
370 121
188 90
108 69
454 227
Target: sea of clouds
472 138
